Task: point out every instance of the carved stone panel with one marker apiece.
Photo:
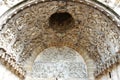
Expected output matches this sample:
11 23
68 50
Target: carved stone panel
61 63
90 30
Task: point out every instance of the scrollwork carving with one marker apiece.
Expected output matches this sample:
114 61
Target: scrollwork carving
93 31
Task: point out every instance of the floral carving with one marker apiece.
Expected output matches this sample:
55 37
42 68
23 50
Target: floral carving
28 31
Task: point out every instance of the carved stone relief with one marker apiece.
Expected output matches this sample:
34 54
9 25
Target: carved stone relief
30 29
61 63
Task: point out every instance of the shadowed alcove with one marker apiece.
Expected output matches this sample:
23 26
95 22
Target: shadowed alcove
61 22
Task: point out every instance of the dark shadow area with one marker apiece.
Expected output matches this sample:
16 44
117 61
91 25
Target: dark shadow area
61 22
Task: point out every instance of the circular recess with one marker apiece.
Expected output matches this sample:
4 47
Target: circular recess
60 22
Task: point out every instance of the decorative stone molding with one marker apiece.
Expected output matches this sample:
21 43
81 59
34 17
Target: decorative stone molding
25 29
9 3
10 62
103 66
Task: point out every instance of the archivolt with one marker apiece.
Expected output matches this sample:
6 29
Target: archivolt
25 30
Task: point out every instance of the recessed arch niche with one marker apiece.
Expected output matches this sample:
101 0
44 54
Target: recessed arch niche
58 63
25 32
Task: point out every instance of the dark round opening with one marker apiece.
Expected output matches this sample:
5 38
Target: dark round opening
61 22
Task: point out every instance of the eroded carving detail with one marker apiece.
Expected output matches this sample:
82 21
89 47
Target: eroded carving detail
29 30
61 63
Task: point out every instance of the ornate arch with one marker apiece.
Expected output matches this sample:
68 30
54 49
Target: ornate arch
51 57
25 30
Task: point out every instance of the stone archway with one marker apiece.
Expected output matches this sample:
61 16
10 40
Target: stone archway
27 32
58 64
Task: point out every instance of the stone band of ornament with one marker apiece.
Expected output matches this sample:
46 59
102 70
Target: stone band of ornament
23 5
10 62
103 66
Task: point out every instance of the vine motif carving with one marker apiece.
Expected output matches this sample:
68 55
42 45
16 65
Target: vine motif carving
29 30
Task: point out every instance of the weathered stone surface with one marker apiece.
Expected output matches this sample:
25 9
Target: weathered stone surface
61 63
93 31
28 32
